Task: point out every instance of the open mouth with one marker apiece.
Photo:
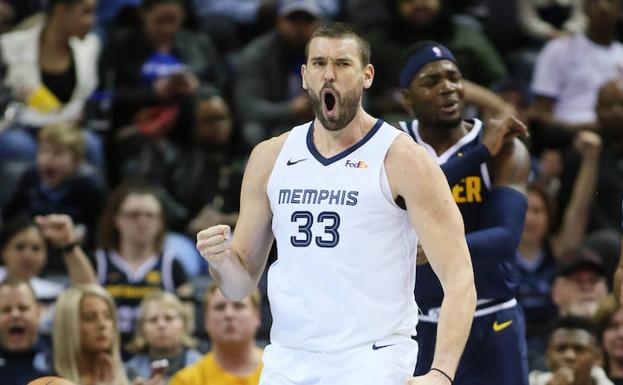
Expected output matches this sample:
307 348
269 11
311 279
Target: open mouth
450 106
329 102
17 331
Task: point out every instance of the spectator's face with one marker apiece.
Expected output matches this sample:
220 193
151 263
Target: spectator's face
25 254
610 110
213 123
296 28
19 318
55 163
163 327
579 293
229 322
602 13
436 95
613 337
335 78
139 219
79 18
162 21
572 348
419 12
536 223
96 325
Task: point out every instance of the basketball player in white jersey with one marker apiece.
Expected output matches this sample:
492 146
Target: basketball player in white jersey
331 193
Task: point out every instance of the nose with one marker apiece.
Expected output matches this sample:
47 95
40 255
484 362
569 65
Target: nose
229 311
447 86
329 73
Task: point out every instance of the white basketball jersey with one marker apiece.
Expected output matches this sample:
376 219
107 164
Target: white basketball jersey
345 272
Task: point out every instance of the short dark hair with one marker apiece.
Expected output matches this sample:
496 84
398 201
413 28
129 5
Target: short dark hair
341 31
575 322
14 226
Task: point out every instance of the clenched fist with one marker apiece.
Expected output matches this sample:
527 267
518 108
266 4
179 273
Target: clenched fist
214 243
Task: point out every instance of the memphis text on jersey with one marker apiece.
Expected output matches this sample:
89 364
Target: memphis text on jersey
317 197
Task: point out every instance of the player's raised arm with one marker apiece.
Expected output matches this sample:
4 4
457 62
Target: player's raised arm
236 263
437 220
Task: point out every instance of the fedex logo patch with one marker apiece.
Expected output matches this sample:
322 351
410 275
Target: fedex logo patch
356 164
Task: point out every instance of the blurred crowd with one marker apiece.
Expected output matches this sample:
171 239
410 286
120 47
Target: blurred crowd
125 126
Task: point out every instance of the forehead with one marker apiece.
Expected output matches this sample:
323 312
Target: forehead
333 48
16 294
437 67
93 302
142 200
572 336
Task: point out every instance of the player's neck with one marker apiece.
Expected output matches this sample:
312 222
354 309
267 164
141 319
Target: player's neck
442 139
330 143
237 359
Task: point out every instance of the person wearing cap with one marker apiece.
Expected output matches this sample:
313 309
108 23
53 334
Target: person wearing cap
487 170
268 93
580 283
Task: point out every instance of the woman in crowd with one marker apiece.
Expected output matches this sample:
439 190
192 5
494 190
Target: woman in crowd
51 68
162 333
131 261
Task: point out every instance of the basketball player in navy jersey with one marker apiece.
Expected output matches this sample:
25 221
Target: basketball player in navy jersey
341 290
487 173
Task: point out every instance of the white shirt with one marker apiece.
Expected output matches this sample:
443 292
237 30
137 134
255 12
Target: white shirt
571 70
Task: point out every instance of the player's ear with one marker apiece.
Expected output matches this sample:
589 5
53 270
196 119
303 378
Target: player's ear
303 74
368 76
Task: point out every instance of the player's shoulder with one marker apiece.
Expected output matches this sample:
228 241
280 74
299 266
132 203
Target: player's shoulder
405 152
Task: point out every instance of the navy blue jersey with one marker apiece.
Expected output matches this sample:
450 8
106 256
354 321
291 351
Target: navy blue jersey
493 282
128 287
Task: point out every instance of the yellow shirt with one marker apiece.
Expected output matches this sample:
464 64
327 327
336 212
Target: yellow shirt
208 372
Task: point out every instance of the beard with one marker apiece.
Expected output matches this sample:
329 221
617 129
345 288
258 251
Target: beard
447 124
348 104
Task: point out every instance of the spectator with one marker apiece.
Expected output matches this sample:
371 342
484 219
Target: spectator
210 165
418 20
606 208
159 71
23 355
162 332
570 70
540 248
551 19
85 337
60 182
51 67
269 94
610 320
573 355
131 261
24 252
580 283
234 356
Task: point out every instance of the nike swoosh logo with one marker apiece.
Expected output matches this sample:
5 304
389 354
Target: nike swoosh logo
375 347
291 162
497 327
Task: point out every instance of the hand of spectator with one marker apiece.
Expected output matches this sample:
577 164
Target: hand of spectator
162 88
57 228
105 369
301 106
588 144
183 83
563 376
556 33
550 165
500 131
214 244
